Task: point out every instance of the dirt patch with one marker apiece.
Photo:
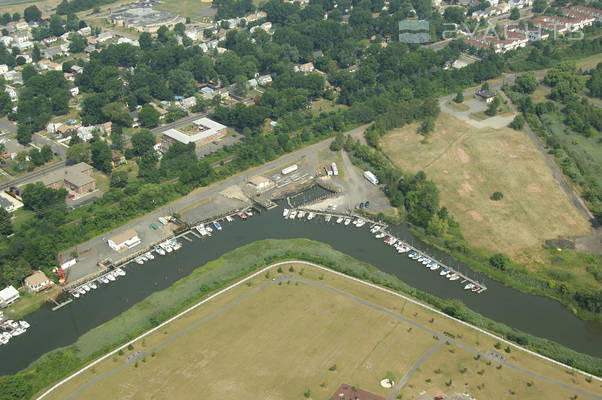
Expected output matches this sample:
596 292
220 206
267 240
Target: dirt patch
466 187
569 220
475 215
534 188
464 158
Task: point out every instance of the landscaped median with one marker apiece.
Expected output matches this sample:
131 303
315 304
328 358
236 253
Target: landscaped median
231 267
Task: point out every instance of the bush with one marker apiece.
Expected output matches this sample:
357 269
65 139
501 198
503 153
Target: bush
497 196
499 261
518 123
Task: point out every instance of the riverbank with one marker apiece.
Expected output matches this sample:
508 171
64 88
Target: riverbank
228 268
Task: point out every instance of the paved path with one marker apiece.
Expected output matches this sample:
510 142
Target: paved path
441 338
32 175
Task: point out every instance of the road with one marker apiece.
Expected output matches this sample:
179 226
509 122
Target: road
360 301
32 175
181 122
6 125
57 149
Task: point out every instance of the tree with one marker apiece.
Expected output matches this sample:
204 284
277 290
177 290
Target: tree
497 196
539 5
16 17
514 14
23 134
79 152
493 107
56 25
518 123
6 103
5 19
36 157
5 222
594 83
143 142
117 113
35 53
499 261
100 154
117 140
148 116
32 13
77 43
427 126
180 28
46 153
119 179
181 82
526 83
454 15
146 41
459 97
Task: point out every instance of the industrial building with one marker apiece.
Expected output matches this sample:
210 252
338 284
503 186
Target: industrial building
76 178
145 19
124 240
204 131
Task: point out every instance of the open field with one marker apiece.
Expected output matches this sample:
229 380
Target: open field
457 106
470 164
184 8
282 334
589 62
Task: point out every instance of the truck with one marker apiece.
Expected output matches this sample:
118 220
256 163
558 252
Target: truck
162 220
371 177
289 169
335 170
154 226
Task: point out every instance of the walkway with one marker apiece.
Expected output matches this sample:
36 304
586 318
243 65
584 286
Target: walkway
442 338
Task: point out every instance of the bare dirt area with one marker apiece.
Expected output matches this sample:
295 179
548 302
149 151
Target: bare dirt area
470 164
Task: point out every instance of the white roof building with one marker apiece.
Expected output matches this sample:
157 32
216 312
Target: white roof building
124 240
8 296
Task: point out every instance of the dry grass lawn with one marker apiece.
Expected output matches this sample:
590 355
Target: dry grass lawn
283 340
469 164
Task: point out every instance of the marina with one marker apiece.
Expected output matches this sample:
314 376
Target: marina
10 329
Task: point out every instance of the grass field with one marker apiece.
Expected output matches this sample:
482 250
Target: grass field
185 8
457 106
280 340
470 164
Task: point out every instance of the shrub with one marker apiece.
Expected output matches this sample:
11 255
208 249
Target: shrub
497 196
499 261
333 367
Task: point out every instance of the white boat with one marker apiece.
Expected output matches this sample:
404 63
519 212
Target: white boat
6 335
81 291
111 276
229 218
293 214
249 213
104 279
139 261
143 257
18 331
327 217
392 241
380 235
86 287
374 229
340 219
454 277
149 255
168 248
92 285
468 286
301 214
120 272
24 324
217 225
347 221
359 223
434 267
426 261
160 251
444 272
3 339
12 324
311 216
208 229
177 246
285 212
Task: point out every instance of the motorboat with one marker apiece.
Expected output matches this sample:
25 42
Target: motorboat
111 276
340 219
387 240
327 217
17 332
168 248
243 216
3 339
454 277
139 261
434 267
311 216
347 221
476 288
177 246
426 261
104 279
81 290
301 214
86 287
249 213
92 285
229 218
160 251
360 223
293 214
120 272
149 255
217 225
393 241
444 272
380 235
469 286
285 212
143 257
24 324
12 324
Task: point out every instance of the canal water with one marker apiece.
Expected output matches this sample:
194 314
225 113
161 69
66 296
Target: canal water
537 315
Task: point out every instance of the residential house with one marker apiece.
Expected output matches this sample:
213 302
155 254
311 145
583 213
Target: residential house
13 76
75 178
486 95
193 34
103 37
252 83
9 203
37 282
49 40
6 40
12 93
162 111
188 102
85 31
124 240
85 133
74 91
21 26
53 127
47 65
589 11
8 296
305 68
264 80
76 69
3 68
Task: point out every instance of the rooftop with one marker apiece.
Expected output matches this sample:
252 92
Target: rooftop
75 174
123 236
36 279
206 128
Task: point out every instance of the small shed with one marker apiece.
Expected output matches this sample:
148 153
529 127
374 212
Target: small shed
8 296
486 95
37 281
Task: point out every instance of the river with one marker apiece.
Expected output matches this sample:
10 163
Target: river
537 315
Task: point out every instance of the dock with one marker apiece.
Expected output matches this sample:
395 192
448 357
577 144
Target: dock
463 278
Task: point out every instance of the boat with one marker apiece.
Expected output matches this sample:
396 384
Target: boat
340 219
229 218
139 261
293 214
160 251
360 223
3 339
285 212
444 272
23 324
81 291
177 246
469 286
149 255
111 276
454 277
6 335
12 324
243 216
201 229
393 241
104 279
411 254
327 217
217 225
120 272
249 213
209 229
86 287
311 216
17 332
434 267
387 240
75 294
92 285
143 257
380 235
347 221
374 229
476 288
301 214
168 248
426 261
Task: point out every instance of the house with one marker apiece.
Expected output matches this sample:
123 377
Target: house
85 133
74 91
188 102
21 26
9 203
206 131
47 65
486 95
193 34
76 178
12 93
252 83
124 240
37 281
53 127
13 76
3 68
264 80
266 26
103 37
8 296
162 111
305 68
24 45
85 31
589 11
261 183
348 392
76 69
51 52
49 40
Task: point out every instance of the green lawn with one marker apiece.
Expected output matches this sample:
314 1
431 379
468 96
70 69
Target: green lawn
457 106
184 8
